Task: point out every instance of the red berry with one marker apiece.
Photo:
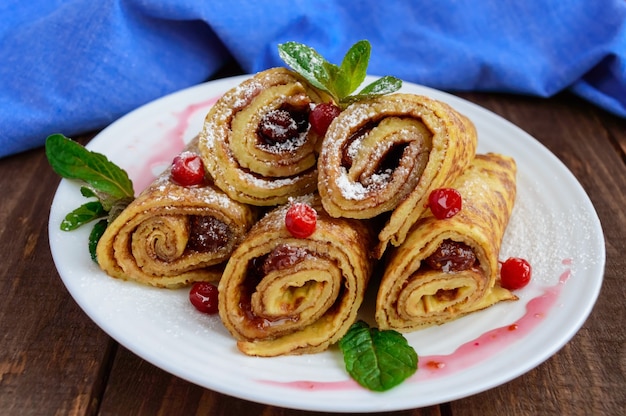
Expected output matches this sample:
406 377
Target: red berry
203 295
445 202
515 273
322 115
187 169
300 220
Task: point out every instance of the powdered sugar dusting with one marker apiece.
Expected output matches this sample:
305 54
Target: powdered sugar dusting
526 235
349 189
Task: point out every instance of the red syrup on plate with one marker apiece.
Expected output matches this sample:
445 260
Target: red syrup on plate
469 354
169 145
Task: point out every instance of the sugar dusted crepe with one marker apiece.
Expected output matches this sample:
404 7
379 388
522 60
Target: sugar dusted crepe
432 278
386 154
173 235
256 140
286 295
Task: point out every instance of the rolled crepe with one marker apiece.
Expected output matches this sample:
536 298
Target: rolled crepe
257 142
387 154
431 279
285 295
173 235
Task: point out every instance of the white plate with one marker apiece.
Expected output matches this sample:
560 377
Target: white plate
554 226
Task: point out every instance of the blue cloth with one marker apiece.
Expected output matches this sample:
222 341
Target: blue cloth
77 65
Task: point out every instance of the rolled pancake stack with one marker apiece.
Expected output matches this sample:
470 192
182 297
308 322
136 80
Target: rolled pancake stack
387 154
172 235
256 141
418 290
369 180
285 295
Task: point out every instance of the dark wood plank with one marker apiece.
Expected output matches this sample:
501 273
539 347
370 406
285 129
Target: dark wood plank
52 357
616 130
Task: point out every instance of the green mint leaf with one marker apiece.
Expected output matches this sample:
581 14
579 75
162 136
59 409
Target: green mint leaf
72 161
87 212
354 65
305 61
381 86
87 192
338 85
377 360
94 236
107 201
104 180
338 81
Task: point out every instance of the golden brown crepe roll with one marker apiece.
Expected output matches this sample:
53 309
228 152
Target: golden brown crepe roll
387 154
285 295
448 268
172 235
257 143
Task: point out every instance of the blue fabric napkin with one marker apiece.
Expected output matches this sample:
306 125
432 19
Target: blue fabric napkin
71 66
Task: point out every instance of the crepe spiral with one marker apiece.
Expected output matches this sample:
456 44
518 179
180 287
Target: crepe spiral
285 295
385 155
256 141
173 235
448 268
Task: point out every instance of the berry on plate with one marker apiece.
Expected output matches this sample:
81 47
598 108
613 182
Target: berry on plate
203 296
515 273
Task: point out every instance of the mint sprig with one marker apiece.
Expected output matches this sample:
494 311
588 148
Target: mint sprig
100 179
377 360
338 81
82 215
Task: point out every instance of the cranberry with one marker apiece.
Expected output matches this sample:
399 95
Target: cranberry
300 220
278 126
187 169
203 296
515 273
445 203
322 115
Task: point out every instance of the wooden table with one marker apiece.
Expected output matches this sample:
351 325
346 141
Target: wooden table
55 361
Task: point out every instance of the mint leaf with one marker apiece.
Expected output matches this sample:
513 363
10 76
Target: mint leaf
381 86
377 88
377 360
305 61
72 161
87 212
354 64
94 236
338 81
87 192
104 180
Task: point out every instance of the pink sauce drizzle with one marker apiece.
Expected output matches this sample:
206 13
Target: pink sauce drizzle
169 145
468 354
